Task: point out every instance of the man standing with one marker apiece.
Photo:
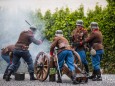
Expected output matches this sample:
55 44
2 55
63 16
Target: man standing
64 54
21 50
78 35
95 40
7 55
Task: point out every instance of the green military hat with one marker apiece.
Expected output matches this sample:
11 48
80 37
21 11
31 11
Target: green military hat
33 28
79 22
59 33
94 25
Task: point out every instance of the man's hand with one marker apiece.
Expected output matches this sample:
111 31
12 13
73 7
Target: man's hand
40 42
78 43
51 53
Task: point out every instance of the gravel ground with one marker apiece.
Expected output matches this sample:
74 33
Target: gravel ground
108 80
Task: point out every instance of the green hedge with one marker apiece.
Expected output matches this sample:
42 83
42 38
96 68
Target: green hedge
65 20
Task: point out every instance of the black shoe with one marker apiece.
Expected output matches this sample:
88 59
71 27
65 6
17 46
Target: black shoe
90 77
93 75
99 78
6 72
4 77
7 77
59 74
94 79
74 80
32 76
59 81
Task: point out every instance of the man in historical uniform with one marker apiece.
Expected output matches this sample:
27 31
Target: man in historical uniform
95 41
64 54
79 34
21 50
7 55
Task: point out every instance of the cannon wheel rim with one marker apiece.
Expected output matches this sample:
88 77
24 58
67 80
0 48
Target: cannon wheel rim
42 73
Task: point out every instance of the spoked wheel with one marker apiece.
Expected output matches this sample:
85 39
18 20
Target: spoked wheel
77 60
41 66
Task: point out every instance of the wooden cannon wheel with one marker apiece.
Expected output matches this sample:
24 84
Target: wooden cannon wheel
41 66
77 60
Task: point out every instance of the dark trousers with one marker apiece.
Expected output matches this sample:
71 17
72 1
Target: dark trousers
7 59
17 54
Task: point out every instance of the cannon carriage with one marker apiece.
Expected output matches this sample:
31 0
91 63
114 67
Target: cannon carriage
45 66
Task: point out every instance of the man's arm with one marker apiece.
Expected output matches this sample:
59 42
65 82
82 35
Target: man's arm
53 45
90 38
37 42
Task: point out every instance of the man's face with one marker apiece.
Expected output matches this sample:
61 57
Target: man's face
79 27
34 31
58 35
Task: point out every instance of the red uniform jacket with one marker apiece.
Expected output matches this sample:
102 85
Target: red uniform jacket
78 35
95 40
7 50
61 43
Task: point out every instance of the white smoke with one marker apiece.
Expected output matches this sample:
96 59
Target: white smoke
12 23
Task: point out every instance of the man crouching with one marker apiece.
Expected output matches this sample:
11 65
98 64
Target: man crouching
64 54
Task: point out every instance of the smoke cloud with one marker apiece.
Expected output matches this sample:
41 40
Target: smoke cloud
12 23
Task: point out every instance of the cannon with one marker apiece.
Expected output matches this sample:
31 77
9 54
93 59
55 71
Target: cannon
44 66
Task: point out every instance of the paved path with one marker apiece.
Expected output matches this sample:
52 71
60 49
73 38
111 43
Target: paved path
108 80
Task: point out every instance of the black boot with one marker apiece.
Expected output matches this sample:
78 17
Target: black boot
5 73
74 81
4 76
99 78
86 69
93 75
8 75
32 76
59 80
